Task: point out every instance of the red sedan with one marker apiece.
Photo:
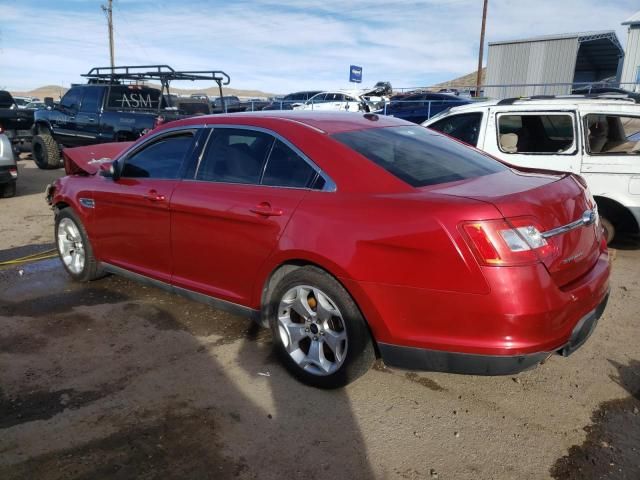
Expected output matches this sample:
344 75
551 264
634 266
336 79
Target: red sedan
351 236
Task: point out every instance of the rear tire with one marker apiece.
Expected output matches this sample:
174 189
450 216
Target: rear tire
8 190
74 248
331 329
45 152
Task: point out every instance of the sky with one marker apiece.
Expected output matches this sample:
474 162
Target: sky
279 46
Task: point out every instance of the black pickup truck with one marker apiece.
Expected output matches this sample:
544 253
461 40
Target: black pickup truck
116 105
15 123
95 113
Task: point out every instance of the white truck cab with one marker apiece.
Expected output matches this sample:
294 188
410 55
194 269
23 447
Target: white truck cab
598 138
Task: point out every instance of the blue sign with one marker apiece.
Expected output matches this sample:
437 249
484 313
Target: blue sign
355 74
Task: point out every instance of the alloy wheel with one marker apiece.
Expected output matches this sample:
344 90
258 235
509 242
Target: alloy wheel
312 330
70 246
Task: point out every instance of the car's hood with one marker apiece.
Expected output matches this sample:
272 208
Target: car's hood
87 160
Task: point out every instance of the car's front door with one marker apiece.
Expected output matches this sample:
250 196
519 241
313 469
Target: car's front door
132 227
228 219
63 121
88 116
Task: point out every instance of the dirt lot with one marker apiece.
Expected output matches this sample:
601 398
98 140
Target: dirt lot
117 380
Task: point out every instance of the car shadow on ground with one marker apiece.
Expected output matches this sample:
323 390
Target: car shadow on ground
611 449
116 380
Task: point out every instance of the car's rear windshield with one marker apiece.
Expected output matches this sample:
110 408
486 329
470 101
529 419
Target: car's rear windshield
418 156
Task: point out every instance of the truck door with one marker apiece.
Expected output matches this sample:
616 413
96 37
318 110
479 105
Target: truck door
63 123
88 116
535 139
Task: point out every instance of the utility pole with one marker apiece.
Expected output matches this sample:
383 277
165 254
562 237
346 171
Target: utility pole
480 53
108 10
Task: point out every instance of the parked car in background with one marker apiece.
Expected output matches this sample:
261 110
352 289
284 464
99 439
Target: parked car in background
418 107
288 101
8 168
256 104
230 104
596 138
15 122
348 235
335 101
35 105
22 102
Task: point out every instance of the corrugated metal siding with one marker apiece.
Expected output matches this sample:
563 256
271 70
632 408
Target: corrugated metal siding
549 61
631 56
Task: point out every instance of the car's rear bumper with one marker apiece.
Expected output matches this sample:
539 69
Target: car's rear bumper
523 317
411 358
8 173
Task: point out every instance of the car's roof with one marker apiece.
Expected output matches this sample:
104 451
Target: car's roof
548 103
325 122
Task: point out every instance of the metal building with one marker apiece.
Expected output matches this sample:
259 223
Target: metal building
553 59
631 69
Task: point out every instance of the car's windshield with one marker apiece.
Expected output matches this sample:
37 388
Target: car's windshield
418 156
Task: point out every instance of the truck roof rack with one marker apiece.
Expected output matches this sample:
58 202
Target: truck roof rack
164 74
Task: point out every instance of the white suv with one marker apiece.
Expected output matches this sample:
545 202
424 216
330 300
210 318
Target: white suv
333 101
598 138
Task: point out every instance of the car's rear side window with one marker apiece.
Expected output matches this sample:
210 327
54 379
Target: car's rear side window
286 168
235 156
418 156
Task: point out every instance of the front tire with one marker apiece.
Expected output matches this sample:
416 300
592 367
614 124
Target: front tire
45 151
318 330
74 248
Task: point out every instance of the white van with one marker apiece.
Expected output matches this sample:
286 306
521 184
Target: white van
598 138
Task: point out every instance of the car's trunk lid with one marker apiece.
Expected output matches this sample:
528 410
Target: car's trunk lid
555 200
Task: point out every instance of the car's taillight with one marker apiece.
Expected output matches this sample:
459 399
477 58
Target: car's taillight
13 172
507 242
1 129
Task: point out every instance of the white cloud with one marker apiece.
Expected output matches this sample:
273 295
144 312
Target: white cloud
282 45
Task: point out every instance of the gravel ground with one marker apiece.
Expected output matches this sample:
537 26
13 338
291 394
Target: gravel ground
116 380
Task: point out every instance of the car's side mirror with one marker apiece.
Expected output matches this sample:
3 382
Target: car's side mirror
109 170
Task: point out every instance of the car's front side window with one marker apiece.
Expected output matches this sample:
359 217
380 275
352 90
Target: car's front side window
161 159
612 134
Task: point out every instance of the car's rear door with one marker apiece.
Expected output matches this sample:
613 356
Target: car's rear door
132 227
228 219
536 139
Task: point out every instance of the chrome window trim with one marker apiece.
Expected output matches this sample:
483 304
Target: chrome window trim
589 217
329 185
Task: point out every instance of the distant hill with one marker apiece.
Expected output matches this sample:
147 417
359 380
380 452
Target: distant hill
56 91
467 80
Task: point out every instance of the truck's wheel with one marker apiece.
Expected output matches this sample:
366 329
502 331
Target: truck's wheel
8 190
45 151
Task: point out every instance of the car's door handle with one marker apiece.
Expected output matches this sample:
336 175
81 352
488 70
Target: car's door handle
154 196
91 120
265 210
